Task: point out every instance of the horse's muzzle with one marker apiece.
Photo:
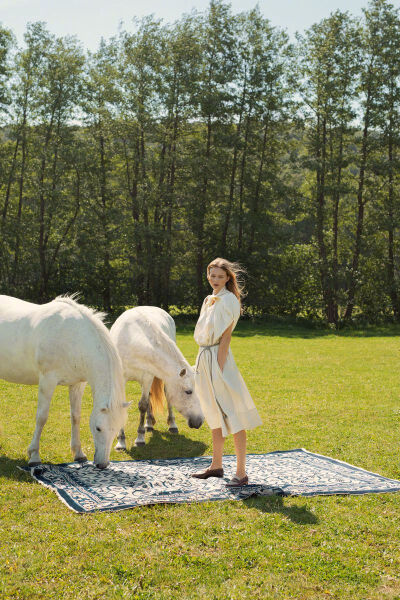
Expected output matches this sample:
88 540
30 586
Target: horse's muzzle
102 465
195 422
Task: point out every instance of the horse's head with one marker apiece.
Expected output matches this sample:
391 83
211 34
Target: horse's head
179 390
105 423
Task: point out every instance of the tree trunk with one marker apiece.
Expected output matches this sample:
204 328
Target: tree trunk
321 171
20 191
136 260
241 185
360 213
170 203
200 217
104 222
43 295
9 183
148 257
3 242
257 190
233 174
333 311
391 229
19 211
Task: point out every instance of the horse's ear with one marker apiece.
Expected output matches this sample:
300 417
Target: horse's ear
104 410
182 372
126 404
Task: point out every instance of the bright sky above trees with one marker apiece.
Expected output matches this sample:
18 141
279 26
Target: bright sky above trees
89 20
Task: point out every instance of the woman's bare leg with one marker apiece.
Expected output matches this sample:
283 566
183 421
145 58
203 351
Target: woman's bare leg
218 448
239 439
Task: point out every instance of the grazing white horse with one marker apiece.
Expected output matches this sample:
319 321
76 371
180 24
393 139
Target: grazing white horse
64 343
146 340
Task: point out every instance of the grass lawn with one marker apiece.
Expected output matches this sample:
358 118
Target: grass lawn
334 394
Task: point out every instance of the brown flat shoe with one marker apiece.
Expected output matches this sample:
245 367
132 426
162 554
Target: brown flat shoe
236 482
209 473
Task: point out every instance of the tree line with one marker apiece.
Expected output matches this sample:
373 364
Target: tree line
123 172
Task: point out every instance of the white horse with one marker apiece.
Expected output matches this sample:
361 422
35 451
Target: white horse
146 340
64 343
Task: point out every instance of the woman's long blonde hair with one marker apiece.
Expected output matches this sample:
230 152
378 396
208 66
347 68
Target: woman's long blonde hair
234 271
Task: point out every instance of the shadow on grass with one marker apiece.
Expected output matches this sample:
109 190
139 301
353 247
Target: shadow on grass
162 444
9 469
276 504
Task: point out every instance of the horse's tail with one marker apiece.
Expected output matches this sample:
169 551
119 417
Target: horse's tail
157 395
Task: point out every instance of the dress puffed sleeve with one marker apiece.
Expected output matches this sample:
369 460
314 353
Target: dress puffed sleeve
228 313
203 306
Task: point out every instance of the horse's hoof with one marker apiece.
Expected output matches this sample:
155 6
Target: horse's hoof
81 459
120 448
140 443
149 429
34 464
173 430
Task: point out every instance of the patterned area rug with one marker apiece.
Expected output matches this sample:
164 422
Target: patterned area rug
127 484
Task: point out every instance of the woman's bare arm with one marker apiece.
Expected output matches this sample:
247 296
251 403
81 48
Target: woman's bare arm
223 347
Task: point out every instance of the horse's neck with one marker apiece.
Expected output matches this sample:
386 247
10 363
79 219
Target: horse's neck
170 355
163 358
166 366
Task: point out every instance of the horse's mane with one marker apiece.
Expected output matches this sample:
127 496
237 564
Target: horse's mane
162 340
170 344
96 318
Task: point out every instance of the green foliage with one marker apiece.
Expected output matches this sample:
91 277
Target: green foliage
124 172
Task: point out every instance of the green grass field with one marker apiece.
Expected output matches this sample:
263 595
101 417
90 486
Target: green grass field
337 395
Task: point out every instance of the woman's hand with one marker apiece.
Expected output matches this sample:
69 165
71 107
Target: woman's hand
223 347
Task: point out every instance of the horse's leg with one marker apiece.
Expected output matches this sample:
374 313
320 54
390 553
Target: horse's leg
121 441
75 399
47 384
172 427
150 420
143 406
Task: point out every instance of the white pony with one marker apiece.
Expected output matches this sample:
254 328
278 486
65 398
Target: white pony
64 343
146 340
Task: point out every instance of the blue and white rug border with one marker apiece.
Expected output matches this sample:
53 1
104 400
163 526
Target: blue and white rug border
71 504
244 493
346 464
257 489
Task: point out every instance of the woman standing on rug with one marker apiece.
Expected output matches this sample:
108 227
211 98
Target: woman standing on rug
224 397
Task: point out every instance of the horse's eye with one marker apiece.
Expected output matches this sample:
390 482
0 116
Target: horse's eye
188 392
98 428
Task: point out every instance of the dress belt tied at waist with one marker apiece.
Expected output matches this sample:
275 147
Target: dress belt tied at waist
204 349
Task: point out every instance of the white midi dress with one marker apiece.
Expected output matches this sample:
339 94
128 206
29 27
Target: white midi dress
224 397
